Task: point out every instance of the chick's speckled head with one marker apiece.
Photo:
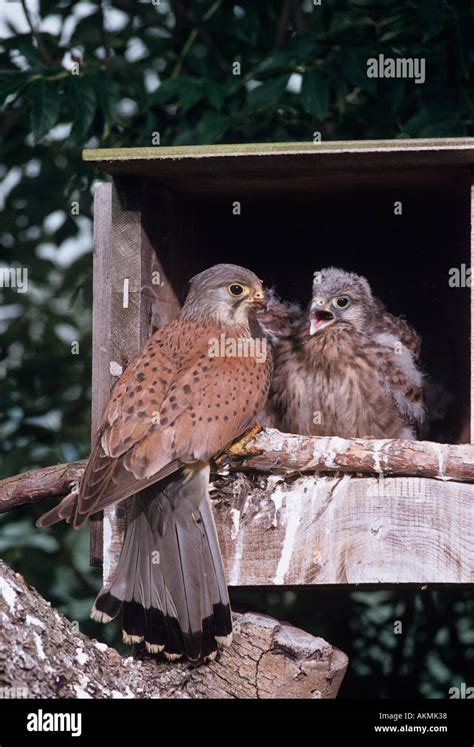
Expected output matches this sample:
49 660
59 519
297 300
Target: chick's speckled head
223 294
338 298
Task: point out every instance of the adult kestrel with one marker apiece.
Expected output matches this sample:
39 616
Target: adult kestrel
198 383
349 368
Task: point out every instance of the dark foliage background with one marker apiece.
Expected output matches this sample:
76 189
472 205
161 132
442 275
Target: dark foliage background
167 68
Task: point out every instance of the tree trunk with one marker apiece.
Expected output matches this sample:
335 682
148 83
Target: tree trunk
42 655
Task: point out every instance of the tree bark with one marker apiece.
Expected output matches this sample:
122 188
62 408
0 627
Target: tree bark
37 485
43 655
275 452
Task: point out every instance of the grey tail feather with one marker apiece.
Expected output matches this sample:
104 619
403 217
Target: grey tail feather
169 582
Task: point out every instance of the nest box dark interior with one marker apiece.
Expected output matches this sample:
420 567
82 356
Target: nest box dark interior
301 208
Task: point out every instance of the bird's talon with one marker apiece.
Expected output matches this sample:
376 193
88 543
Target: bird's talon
239 447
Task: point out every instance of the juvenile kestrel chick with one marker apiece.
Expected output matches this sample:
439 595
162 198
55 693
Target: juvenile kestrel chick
198 383
350 369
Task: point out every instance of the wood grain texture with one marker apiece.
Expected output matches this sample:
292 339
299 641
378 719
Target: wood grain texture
101 304
101 333
472 313
268 659
129 321
345 530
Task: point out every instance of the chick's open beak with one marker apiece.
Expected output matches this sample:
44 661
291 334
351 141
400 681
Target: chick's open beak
320 316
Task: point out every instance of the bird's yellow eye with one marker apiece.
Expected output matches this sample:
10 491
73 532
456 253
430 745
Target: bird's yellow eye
236 290
341 302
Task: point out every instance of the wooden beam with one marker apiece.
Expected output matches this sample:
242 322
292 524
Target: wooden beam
101 334
472 311
264 168
153 153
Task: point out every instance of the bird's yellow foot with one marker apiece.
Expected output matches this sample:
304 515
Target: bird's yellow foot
239 447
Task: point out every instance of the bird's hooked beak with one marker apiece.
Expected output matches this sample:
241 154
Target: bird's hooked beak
320 315
258 299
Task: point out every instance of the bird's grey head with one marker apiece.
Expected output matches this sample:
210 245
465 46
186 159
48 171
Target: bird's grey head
224 295
339 298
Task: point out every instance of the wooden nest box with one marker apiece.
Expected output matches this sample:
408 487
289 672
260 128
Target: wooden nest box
398 212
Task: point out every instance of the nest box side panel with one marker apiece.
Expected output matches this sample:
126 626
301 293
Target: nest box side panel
132 296
472 311
345 530
101 333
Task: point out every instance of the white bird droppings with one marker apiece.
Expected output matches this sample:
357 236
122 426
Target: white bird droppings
115 368
235 522
8 594
293 509
34 621
81 657
82 694
39 645
107 530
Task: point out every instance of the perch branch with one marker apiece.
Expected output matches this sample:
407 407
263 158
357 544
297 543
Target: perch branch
44 656
272 451
37 485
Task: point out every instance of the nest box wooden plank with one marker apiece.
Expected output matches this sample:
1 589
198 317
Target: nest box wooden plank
399 212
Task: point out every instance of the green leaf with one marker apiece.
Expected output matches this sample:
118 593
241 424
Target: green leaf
214 93
268 94
170 90
278 61
190 96
24 44
45 105
87 32
315 94
212 126
298 51
81 92
11 81
354 69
